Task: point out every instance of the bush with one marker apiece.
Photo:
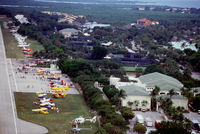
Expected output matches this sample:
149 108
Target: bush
127 113
141 129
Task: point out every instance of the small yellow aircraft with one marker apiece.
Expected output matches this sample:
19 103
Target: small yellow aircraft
42 110
60 88
58 94
41 73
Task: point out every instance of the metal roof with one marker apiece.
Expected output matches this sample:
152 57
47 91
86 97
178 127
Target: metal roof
134 90
161 80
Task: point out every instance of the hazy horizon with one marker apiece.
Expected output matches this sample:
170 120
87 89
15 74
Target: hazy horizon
173 3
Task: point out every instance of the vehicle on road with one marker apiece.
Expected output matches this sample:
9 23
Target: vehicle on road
139 119
148 122
195 124
157 123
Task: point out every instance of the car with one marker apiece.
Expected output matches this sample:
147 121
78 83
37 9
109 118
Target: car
148 122
198 111
186 111
193 132
143 110
157 123
139 119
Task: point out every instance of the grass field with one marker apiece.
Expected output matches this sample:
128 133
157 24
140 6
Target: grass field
132 69
12 51
72 106
35 45
1 23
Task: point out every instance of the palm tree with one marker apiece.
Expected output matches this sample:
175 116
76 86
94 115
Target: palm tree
136 103
153 94
155 91
122 94
171 93
144 103
130 104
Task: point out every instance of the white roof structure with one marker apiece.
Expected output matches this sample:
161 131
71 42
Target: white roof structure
107 44
22 19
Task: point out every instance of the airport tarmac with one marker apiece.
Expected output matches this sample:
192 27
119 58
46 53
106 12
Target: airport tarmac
30 81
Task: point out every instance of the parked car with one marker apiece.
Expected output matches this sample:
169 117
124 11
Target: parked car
139 119
157 123
148 122
195 124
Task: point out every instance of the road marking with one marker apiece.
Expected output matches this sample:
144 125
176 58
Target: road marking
11 97
13 76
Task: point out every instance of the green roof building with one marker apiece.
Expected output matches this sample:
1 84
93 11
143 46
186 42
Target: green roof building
163 81
137 97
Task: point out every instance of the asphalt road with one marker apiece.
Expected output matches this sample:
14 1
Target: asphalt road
7 115
9 123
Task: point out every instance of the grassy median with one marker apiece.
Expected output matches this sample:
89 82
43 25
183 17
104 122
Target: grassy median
12 51
72 106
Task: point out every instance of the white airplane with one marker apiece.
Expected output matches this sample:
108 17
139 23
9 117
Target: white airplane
23 45
43 100
41 95
82 120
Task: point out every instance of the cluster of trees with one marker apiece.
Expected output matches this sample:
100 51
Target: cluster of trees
114 94
85 75
171 127
108 68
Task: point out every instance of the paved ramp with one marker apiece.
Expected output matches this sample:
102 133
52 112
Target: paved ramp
9 123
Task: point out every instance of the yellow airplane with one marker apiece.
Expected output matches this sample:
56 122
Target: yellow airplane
59 94
42 110
41 73
60 88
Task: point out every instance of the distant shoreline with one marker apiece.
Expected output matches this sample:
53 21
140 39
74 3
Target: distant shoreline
170 3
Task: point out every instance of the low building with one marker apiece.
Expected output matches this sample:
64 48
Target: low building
138 92
69 32
165 82
107 44
137 97
54 69
196 91
22 19
145 22
177 100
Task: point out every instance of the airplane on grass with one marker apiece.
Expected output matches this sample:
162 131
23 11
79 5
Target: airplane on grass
41 110
80 120
58 94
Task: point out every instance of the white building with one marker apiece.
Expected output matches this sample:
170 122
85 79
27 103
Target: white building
137 97
177 100
68 32
166 83
139 91
22 19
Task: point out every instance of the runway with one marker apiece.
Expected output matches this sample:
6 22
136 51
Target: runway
9 123
7 115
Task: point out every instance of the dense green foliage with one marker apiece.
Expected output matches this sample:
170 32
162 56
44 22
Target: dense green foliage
98 53
83 73
171 127
127 113
141 129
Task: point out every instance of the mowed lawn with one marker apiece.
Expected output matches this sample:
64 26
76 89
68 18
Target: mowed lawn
72 106
12 51
35 45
